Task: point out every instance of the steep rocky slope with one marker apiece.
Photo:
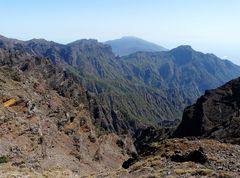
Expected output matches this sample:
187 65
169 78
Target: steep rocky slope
215 115
100 73
47 122
184 72
150 87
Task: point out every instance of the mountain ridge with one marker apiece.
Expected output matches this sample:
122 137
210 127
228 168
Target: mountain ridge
81 109
150 87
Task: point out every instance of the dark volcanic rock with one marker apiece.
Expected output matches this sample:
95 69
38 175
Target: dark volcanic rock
215 115
146 136
130 161
196 156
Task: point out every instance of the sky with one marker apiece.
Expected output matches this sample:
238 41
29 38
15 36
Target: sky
210 26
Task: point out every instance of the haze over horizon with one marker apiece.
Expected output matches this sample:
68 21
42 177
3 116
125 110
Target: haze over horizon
210 27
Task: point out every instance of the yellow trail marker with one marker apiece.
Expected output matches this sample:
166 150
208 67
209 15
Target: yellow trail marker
9 102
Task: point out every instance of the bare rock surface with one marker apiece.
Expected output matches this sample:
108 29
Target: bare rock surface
46 126
222 160
215 115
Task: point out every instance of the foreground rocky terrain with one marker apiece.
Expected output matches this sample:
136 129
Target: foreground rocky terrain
170 158
46 122
185 158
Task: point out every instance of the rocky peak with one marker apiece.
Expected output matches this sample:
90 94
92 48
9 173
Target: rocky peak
92 45
38 40
182 54
183 48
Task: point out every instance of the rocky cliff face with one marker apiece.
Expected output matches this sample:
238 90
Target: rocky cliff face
123 103
215 115
151 88
183 72
46 122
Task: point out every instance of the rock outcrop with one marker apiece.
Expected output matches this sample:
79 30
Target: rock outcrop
215 115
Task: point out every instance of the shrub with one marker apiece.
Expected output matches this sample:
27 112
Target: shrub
3 159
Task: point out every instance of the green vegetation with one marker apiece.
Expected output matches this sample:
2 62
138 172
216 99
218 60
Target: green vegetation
4 159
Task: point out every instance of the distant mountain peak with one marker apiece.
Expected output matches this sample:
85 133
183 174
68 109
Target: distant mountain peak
131 44
41 40
131 38
84 42
182 54
134 37
8 40
91 43
2 37
183 48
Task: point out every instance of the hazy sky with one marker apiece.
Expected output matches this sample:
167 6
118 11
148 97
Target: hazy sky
207 25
